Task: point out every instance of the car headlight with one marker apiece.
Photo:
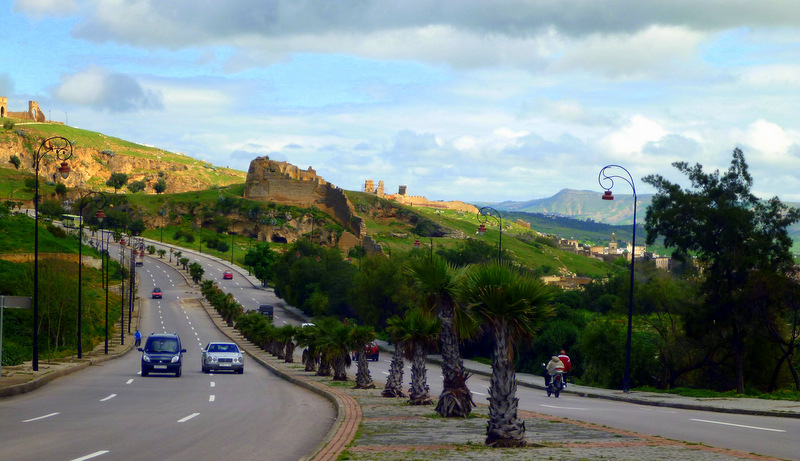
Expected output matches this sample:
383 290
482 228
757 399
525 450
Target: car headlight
145 358
211 359
239 359
175 359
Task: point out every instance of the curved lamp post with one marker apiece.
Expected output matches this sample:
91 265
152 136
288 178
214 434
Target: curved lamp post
606 180
62 149
482 218
100 216
108 263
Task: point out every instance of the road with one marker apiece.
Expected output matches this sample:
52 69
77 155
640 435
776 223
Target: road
110 412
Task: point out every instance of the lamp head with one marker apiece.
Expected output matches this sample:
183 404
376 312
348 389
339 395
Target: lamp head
608 195
482 229
64 170
100 216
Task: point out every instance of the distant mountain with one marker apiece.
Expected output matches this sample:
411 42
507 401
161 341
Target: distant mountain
584 205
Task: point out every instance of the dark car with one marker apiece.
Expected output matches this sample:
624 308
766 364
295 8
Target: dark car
370 350
162 353
157 293
227 275
266 309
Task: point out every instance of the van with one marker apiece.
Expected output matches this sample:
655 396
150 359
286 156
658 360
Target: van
266 309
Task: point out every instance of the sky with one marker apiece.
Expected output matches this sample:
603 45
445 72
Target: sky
480 101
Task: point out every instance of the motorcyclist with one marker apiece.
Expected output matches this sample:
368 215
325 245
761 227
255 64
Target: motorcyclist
138 337
567 365
554 366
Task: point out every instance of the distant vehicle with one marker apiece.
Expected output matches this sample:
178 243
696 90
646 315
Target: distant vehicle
70 220
371 350
307 324
139 262
222 356
157 293
266 309
227 275
162 353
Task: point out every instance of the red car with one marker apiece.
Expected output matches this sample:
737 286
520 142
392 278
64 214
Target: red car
371 350
227 275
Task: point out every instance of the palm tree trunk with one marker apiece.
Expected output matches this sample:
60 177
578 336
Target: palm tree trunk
455 399
324 368
419 394
363 378
289 352
503 430
394 384
340 369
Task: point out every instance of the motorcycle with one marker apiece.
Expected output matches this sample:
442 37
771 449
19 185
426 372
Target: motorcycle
556 383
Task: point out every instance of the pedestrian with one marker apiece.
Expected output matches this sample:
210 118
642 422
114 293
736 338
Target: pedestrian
567 364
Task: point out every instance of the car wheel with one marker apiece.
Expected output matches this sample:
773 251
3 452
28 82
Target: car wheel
240 371
145 372
178 373
205 369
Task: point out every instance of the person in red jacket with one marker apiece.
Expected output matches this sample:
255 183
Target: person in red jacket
567 364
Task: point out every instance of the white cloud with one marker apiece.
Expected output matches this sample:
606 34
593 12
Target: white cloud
105 90
39 8
632 138
770 139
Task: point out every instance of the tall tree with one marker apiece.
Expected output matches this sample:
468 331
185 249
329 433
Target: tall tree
514 306
362 335
416 331
439 281
733 235
117 180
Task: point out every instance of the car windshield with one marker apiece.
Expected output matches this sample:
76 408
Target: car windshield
162 345
223 348
156 289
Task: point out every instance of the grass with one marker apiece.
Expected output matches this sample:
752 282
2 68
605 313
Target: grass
704 393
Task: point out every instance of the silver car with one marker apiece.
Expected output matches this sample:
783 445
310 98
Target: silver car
222 356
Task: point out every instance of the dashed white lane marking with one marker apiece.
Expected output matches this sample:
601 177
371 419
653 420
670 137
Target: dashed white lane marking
130 380
41 417
385 372
738 425
563 408
90 456
477 393
108 398
213 384
183 420
211 398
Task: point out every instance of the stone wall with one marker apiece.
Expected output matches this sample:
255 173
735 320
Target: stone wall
33 113
417 200
269 180
3 106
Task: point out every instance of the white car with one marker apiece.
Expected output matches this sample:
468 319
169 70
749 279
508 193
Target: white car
222 356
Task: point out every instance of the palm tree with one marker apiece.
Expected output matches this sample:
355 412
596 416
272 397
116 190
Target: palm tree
334 343
304 338
439 281
394 383
285 339
514 306
361 336
416 331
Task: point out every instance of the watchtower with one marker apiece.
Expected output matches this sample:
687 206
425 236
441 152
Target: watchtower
3 106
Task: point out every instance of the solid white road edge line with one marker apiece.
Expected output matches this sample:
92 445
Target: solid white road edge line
737 425
108 398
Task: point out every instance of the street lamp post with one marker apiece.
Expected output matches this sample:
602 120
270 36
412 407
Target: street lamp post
482 218
107 254
233 236
100 216
606 179
62 149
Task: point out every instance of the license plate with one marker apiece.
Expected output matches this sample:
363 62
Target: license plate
160 367
224 364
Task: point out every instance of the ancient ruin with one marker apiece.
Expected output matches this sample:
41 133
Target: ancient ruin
34 112
282 182
417 200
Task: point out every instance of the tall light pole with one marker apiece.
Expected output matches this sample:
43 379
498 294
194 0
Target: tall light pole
606 181
62 149
100 216
482 218
233 236
107 254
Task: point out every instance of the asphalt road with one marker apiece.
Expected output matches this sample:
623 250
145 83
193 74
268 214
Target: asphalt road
111 412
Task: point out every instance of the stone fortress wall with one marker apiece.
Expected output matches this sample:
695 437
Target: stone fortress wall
417 200
269 180
34 112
